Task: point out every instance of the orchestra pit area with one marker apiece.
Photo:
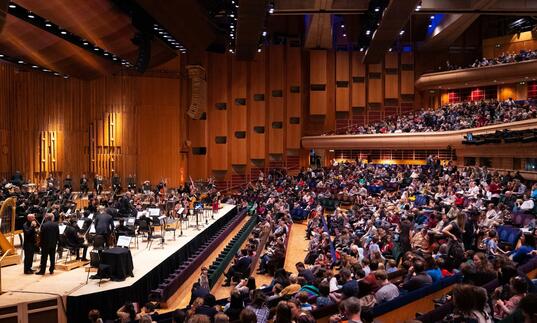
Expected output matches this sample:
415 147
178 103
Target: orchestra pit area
268 161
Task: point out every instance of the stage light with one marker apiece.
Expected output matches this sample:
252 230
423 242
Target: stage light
232 15
418 8
96 49
105 54
1 55
430 26
361 49
390 49
86 43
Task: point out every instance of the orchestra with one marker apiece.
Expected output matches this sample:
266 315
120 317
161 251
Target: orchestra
106 215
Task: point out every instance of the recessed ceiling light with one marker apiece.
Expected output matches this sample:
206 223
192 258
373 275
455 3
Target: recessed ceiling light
342 26
12 6
367 32
48 25
1 55
106 54
377 9
402 32
65 77
430 26
432 17
344 35
96 49
264 34
20 62
259 50
63 32
85 43
271 10
35 66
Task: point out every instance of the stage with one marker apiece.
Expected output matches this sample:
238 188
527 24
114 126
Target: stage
70 288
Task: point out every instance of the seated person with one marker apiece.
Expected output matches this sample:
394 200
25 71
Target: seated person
240 267
73 239
416 277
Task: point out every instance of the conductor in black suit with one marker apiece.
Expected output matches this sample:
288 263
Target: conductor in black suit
104 224
241 266
50 231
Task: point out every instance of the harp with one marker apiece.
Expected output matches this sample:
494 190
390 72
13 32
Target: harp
7 233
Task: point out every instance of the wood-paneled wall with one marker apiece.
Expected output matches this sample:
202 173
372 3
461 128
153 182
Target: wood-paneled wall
132 125
255 116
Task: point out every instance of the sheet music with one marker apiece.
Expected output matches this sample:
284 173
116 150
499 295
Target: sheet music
68 212
116 223
80 223
181 210
131 220
92 228
90 216
124 241
62 228
154 211
161 217
140 214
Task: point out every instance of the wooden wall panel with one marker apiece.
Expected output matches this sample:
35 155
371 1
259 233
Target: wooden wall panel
374 85
257 102
407 73
276 101
217 113
342 81
391 80
318 79
294 92
358 94
238 109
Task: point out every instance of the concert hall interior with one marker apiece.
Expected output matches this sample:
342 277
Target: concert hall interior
254 161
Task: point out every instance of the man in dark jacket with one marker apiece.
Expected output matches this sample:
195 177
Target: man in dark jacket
104 224
50 231
241 267
29 242
419 280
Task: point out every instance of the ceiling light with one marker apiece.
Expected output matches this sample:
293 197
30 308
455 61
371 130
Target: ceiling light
432 17
1 55
35 66
31 16
264 34
390 49
271 10
63 32
367 32
342 26
377 9
48 25
418 7
105 54
402 32
231 15
96 49
361 49
45 70
344 35
231 50
430 26
65 77
12 6
259 50
57 74
20 62
115 58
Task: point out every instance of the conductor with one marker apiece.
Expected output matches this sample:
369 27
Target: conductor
104 225
50 231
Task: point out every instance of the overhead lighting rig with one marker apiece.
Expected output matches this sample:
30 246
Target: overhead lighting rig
20 62
167 38
44 24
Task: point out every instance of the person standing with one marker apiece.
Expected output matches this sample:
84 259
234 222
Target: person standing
84 184
104 225
29 229
50 232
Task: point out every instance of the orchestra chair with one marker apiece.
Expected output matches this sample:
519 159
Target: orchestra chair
143 228
95 262
171 225
151 237
63 246
185 219
99 242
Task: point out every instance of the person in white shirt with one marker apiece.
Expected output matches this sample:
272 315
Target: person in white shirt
528 204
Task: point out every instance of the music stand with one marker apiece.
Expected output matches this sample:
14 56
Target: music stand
124 242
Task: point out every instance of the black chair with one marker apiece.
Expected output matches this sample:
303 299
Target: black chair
171 225
95 262
98 242
62 244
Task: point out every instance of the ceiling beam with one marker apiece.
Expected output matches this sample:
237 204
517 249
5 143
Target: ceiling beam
250 24
394 19
517 7
452 26
181 18
319 29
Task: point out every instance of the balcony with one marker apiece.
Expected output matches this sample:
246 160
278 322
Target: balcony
418 140
479 76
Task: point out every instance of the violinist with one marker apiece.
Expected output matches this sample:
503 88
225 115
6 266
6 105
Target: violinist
29 229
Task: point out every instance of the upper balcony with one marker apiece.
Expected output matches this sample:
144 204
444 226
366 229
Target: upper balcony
416 140
479 76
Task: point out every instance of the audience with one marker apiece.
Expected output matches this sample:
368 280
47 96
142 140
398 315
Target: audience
456 116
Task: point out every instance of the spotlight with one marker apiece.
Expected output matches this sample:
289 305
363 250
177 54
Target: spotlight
45 70
231 15
1 55
361 49
430 26
57 74
231 50
65 77
418 7
105 54
390 49
96 49
85 43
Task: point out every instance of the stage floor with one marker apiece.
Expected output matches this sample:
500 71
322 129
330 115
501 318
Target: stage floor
29 288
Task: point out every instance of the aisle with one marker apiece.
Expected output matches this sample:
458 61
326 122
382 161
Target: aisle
296 247
182 297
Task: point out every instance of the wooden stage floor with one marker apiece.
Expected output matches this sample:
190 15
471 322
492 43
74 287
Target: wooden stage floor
20 288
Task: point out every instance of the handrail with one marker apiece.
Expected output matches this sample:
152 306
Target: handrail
6 253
